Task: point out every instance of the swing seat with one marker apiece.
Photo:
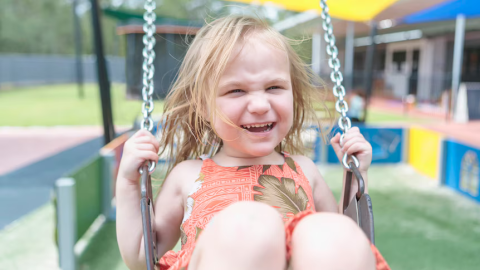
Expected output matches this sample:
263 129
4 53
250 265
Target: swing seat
359 208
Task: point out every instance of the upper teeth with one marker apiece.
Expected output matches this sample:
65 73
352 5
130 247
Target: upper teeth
261 125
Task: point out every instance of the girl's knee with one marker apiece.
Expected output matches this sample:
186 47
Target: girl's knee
326 238
245 235
248 224
325 226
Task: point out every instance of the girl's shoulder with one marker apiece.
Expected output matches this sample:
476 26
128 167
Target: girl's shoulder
309 168
303 161
185 173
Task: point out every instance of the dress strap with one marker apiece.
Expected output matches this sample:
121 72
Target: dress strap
207 161
285 154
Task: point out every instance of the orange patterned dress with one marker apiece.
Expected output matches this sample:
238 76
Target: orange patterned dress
217 187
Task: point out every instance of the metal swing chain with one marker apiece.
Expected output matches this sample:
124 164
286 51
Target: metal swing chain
359 208
148 69
146 202
336 76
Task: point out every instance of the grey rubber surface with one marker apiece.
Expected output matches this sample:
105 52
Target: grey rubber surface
26 189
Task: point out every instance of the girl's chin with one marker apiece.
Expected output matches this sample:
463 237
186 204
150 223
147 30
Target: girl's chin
260 150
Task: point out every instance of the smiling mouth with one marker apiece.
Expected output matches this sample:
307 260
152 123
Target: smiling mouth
258 128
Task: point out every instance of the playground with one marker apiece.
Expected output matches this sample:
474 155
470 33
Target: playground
411 89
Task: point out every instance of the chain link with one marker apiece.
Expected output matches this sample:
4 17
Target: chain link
336 76
148 69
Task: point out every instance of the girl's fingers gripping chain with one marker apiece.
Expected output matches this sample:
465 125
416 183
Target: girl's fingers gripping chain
352 141
141 147
353 144
144 136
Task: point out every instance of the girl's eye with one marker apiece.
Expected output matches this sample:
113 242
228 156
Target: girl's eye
235 91
273 87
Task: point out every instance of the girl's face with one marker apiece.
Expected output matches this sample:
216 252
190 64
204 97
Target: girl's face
255 93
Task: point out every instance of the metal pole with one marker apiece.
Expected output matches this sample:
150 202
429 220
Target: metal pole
103 81
316 49
457 59
369 64
66 223
349 49
78 50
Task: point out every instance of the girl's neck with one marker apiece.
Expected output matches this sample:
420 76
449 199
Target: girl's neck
224 159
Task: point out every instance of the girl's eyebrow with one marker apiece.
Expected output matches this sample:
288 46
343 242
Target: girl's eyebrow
239 84
279 81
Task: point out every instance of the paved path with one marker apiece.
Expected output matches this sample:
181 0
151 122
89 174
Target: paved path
32 159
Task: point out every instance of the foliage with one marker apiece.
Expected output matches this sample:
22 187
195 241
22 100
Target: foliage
46 27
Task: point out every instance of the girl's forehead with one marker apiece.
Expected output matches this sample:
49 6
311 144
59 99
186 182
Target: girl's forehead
254 43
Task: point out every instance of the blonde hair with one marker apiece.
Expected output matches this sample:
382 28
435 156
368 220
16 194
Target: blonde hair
187 132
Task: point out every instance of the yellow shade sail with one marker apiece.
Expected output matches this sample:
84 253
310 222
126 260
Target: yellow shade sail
351 10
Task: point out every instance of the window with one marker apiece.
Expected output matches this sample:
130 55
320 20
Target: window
399 59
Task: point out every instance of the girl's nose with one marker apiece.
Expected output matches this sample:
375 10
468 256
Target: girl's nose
259 104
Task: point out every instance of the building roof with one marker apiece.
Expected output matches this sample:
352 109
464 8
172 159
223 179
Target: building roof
132 23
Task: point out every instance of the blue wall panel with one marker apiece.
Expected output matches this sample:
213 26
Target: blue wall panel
462 168
387 144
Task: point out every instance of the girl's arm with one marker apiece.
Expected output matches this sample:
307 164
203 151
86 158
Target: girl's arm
141 147
169 206
167 219
322 195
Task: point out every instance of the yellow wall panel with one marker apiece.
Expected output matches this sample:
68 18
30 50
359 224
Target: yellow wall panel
424 151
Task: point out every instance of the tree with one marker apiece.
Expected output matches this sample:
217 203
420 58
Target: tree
46 27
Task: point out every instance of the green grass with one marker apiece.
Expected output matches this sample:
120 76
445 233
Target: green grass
418 225
375 116
55 105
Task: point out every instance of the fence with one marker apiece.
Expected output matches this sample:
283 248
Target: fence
22 70
82 197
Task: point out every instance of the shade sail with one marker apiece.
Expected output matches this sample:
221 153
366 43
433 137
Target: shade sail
446 11
351 10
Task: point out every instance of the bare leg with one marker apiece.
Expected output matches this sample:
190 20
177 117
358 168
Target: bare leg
330 241
244 236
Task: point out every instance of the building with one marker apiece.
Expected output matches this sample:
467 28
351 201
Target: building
172 38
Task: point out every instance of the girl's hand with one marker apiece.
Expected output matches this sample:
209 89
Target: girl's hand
142 146
354 144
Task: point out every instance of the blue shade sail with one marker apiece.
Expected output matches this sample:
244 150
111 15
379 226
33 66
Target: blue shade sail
446 11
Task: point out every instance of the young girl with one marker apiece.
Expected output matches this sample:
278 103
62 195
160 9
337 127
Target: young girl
243 95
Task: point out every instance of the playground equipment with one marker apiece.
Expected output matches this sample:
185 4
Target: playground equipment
359 208
81 197
77 207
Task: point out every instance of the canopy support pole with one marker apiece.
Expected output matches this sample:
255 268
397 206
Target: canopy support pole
349 50
316 50
457 59
369 65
